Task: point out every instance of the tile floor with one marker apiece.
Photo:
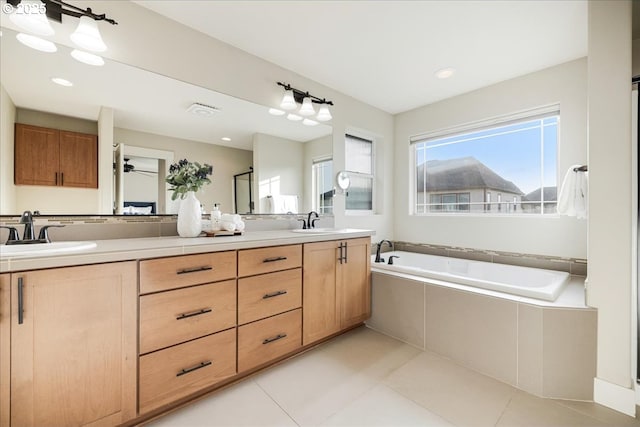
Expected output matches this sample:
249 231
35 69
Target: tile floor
364 378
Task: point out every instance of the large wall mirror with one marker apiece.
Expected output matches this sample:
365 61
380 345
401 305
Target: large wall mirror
148 122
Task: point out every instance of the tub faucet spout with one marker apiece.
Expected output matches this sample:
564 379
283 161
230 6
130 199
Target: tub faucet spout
378 258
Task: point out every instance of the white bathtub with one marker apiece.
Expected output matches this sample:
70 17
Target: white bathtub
515 280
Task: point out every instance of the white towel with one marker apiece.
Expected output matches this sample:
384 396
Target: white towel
574 194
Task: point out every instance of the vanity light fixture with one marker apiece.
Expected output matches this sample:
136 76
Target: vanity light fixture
87 58
36 43
34 15
292 97
31 16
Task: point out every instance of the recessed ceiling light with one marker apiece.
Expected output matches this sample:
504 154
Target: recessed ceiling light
445 73
87 58
36 43
309 122
276 112
225 138
61 81
294 117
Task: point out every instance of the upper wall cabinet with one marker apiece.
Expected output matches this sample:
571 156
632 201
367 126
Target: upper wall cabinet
54 157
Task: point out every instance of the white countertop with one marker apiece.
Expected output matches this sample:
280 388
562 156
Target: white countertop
153 247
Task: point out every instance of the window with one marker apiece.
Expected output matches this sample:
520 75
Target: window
449 202
323 186
513 157
359 163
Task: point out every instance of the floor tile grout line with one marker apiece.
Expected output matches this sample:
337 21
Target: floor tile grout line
505 408
556 402
276 402
419 404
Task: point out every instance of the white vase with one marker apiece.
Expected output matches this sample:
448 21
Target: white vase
189 216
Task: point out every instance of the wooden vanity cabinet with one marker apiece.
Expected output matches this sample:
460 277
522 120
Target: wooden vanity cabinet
73 346
53 157
336 287
269 301
188 314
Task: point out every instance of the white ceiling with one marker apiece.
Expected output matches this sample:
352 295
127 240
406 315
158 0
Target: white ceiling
385 53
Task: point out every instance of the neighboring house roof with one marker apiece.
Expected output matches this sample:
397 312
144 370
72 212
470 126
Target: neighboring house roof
550 195
463 173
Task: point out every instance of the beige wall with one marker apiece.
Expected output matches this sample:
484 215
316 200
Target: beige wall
226 162
565 84
7 129
610 165
278 169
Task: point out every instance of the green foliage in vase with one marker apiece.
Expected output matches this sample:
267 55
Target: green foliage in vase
186 176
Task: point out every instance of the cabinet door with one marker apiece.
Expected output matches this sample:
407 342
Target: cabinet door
355 283
36 155
73 356
319 297
78 160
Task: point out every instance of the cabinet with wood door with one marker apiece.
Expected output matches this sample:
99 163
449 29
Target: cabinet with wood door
336 287
72 346
53 157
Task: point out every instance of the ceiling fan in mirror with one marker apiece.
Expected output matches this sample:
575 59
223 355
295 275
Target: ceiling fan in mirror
128 167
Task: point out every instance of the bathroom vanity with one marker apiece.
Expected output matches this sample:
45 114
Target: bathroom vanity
134 327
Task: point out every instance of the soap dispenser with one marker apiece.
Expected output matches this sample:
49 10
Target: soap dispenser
215 213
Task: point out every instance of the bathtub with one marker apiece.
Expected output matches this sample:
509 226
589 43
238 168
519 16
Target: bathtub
515 280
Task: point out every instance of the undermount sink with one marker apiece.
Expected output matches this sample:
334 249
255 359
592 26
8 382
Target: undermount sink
44 248
315 230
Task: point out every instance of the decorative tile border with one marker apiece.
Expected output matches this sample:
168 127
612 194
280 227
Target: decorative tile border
574 266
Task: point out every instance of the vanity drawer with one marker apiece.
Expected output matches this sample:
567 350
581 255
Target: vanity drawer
177 272
168 318
269 294
268 339
178 371
266 260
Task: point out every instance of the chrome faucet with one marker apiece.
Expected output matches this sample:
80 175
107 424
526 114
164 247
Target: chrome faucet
378 258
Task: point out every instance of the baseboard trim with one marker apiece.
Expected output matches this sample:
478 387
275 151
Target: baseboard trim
613 396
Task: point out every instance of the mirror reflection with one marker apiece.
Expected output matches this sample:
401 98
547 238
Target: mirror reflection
144 122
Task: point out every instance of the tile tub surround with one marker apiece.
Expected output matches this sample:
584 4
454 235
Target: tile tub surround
546 350
574 266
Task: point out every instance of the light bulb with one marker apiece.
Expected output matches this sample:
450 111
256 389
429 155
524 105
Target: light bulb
307 107
31 16
87 35
288 101
324 114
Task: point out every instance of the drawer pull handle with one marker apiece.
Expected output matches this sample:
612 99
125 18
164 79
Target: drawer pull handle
274 259
276 338
20 301
194 368
274 294
194 269
194 313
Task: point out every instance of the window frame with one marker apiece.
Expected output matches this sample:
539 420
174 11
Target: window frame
551 110
368 138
